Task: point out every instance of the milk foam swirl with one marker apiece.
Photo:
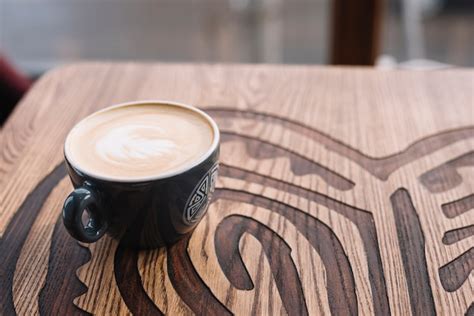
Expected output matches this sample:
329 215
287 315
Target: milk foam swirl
139 140
135 143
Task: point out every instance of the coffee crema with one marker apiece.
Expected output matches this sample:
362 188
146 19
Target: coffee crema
139 140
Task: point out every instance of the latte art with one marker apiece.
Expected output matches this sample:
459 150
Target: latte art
139 141
136 143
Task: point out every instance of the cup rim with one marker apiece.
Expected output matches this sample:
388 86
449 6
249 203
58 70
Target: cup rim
164 175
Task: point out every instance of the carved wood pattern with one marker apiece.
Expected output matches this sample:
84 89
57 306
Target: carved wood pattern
302 222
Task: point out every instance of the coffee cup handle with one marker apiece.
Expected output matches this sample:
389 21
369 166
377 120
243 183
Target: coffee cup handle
84 199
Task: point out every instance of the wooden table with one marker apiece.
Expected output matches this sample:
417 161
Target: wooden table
341 190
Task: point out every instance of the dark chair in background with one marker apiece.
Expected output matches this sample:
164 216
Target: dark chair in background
355 31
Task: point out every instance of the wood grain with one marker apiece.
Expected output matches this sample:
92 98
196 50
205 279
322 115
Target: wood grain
455 235
412 246
341 191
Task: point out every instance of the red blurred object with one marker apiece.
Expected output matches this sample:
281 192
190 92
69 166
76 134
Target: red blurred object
13 86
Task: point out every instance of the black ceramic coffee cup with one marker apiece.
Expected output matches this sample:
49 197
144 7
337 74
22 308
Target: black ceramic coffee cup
144 214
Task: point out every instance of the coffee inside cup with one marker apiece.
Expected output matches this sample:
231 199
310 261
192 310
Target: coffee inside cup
137 141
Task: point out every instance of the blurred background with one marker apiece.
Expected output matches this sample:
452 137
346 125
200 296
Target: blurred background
37 35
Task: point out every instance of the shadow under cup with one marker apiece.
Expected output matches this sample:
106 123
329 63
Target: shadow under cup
142 214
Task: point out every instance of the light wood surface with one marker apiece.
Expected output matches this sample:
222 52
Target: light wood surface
341 190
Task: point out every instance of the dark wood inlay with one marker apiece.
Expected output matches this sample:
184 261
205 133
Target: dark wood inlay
380 167
228 234
189 285
62 285
458 207
446 176
17 231
412 248
456 272
361 218
470 310
130 284
455 235
340 279
260 149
